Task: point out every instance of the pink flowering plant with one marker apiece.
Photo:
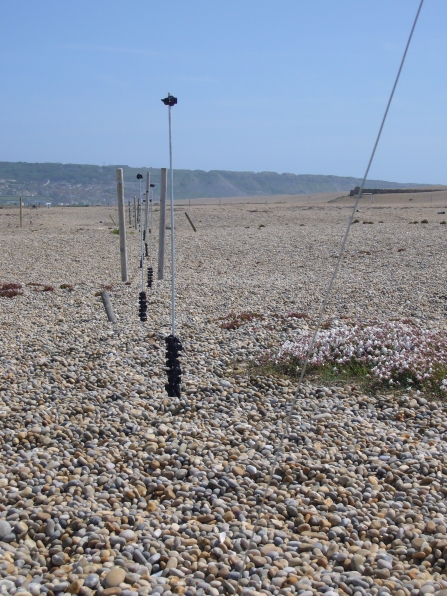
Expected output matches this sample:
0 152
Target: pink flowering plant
394 353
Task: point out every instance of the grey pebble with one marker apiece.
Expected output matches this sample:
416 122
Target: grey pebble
91 581
5 529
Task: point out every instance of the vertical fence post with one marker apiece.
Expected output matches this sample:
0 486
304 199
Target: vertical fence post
135 211
162 225
121 222
146 206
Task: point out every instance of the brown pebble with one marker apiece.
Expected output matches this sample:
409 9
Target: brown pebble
291 580
114 577
75 586
116 591
43 515
258 561
172 563
169 494
268 548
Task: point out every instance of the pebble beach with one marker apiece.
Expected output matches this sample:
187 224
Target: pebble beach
108 487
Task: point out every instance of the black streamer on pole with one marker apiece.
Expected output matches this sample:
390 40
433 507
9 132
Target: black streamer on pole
143 307
173 347
150 277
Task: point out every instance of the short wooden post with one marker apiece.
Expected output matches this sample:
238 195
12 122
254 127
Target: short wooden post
108 307
122 222
162 224
189 219
21 220
135 211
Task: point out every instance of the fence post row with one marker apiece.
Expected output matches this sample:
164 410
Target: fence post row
121 222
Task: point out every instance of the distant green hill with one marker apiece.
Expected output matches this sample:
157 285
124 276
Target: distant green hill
75 181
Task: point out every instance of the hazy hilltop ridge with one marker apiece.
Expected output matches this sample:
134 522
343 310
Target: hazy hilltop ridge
71 183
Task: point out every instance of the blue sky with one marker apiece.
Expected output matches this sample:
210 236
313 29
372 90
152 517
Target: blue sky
287 85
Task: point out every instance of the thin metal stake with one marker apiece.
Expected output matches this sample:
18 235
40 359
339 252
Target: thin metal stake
173 345
151 195
171 101
171 176
146 206
139 176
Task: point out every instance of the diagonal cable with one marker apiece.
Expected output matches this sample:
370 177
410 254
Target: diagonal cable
279 451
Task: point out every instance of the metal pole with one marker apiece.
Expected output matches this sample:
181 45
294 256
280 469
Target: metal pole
173 345
135 211
142 297
162 224
139 176
146 206
151 228
171 176
121 222
21 212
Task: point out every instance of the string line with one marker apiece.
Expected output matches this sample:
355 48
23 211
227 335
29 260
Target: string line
286 428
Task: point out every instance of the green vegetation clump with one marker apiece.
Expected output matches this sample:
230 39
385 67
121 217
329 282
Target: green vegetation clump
397 354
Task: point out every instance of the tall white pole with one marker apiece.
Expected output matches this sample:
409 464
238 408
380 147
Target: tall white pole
121 222
151 195
171 176
173 345
146 207
139 176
